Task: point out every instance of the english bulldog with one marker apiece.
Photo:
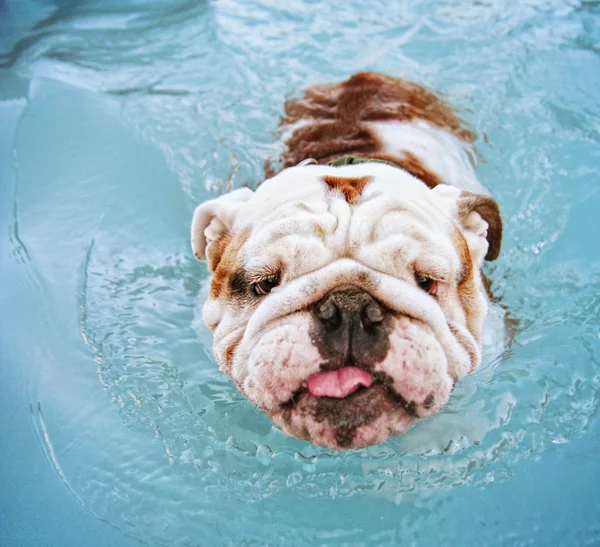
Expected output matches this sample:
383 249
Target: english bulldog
347 298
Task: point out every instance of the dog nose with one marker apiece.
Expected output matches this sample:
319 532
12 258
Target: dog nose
350 324
351 306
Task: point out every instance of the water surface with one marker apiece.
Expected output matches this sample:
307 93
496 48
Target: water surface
119 117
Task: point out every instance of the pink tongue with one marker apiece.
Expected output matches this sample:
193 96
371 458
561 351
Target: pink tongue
338 383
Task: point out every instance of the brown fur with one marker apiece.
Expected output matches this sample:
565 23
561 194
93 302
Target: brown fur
215 251
337 114
409 162
351 187
228 263
229 353
467 288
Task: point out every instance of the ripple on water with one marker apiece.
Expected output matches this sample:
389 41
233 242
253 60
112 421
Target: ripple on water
138 320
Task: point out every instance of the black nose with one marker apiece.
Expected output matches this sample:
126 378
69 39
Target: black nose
350 327
350 306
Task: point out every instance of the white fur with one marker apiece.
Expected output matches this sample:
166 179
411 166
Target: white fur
440 151
396 227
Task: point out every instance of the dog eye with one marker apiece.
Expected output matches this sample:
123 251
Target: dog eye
264 286
429 285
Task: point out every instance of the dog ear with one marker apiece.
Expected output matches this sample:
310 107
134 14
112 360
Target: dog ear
475 210
479 216
212 220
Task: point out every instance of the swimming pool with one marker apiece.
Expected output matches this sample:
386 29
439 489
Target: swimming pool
119 117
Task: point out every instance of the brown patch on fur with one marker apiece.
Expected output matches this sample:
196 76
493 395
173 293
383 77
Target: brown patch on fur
337 115
409 162
214 251
230 351
351 187
228 263
467 288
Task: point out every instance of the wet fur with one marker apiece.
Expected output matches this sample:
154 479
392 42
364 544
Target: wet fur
270 346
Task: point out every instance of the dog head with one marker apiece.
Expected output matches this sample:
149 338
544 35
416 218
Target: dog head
346 302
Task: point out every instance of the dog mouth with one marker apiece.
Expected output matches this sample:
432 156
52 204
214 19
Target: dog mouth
339 383
343 402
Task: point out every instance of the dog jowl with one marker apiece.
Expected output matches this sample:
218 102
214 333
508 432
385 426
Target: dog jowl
347 296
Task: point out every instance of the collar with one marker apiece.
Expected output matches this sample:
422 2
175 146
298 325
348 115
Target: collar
346 160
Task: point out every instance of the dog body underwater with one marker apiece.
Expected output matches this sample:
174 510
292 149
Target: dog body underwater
347 297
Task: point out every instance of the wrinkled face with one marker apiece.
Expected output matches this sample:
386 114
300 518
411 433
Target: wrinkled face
346 302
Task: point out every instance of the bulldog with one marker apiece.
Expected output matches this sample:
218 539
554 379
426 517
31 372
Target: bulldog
347 298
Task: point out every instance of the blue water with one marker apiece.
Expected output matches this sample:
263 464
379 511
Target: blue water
117 118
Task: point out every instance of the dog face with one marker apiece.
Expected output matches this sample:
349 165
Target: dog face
346 302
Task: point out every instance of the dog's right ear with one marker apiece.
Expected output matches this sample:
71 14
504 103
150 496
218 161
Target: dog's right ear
213 220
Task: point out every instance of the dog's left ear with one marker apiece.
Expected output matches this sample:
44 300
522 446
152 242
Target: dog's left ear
212 220
479 216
